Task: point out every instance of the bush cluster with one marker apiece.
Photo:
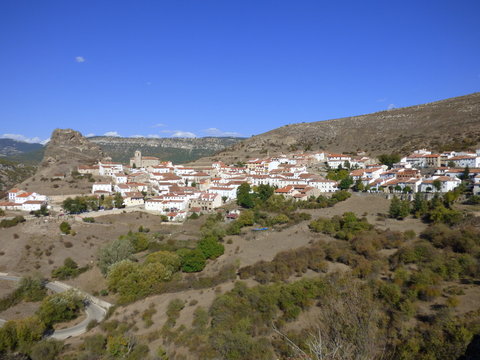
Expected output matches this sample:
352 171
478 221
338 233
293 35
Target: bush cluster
6 223
69 270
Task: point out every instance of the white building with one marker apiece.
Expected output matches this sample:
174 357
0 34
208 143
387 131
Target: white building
324 185
463 161
447 184
229 193
33 205
102 186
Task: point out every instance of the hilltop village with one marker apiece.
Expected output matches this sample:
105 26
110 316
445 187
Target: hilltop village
177 191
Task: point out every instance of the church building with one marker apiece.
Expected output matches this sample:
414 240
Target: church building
139 161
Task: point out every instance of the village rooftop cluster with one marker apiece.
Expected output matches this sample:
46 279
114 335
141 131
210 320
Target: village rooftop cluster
175 191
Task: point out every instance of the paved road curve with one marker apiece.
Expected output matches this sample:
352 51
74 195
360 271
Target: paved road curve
93 310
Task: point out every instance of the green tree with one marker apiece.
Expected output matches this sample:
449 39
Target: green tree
466 173
118 201
420 205
437 184
389 159
60 307
244 197
399 209
346 183
171 260
114 252
359 185
264 192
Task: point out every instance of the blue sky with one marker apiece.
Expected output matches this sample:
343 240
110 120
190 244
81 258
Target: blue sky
225 67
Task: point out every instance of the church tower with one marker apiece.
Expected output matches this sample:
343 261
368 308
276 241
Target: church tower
138 158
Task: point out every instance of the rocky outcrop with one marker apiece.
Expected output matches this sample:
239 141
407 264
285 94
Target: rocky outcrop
68 148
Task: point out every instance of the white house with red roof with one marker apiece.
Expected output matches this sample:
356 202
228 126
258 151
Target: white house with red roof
206 201
230 193
324 185
462 161
33 205
336 160
107 168
102 186
120 178
447 184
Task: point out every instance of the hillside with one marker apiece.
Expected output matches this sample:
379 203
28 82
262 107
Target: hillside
177 150
448 124
12 173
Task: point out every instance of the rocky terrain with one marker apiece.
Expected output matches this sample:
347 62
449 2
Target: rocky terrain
177 150
12 173
443 125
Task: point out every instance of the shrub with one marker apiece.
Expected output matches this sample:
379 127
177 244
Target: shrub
211 248
173 311
46 350
133 281
192 260
69 270
65 228
171 260
89 219
12 222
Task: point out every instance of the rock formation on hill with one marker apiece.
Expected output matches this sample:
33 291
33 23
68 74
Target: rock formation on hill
68 148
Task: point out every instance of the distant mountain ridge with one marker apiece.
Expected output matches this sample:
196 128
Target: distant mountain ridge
443 125
177 150
11 147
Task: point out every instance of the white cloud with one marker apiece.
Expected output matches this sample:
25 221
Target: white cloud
158 125
44 142
179 133
18 137
152 136
111 133
79 59
90 135
391 106
185 134
218 132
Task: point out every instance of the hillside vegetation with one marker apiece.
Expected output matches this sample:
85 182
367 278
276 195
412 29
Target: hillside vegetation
451 124
177 150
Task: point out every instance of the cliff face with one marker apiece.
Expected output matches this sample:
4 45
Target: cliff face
452 123
67 148
177 150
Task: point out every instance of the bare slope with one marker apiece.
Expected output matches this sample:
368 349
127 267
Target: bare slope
448 123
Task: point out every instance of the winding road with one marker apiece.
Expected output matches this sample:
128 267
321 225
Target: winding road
95 308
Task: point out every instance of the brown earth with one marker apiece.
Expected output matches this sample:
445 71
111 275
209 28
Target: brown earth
453 122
